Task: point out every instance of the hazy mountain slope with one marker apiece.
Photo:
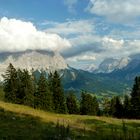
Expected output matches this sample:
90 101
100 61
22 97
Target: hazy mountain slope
129 72
111 64
94 83
119 81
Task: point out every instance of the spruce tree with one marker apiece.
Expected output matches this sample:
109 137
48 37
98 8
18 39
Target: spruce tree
71 102
10 84
50 81
126 107
135 99
28 88
20 93
43 96
106 106
116 107
58 94
89 104
96 106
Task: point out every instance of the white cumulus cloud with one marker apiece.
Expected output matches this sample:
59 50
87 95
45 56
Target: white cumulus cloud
18 35
111 43
116 10
83 57
74 27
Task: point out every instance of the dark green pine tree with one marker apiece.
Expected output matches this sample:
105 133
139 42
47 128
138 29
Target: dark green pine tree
20 93
116 107
44 96
10 84
112 106
72 105
135 99
89 104
106 106
28 88
58 94
126 107
50 80
96 106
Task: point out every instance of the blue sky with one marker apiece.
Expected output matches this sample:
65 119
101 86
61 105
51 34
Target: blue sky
85 32
40 10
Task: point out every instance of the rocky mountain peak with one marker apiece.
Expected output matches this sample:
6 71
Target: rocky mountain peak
36 60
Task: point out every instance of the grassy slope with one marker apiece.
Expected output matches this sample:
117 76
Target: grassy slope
18 121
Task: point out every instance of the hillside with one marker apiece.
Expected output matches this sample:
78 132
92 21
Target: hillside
22 122
99 84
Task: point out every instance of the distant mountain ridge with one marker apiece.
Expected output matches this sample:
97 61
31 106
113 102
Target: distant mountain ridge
109 65
114 76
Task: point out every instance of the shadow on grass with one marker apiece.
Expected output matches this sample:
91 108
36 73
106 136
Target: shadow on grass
136 125
102 130
14 126
100 124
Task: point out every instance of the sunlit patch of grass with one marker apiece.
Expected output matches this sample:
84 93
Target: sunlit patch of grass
81 126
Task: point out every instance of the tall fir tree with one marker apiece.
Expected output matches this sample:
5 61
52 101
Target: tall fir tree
112 106
43 95
58 94
72 105
106 106
89 104
10 84
135 99
126 107
50 81
96 106
116 107
28 88
20 94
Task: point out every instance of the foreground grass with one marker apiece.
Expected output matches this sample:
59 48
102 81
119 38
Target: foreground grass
22 122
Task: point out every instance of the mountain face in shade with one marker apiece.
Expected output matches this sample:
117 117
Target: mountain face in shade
117 78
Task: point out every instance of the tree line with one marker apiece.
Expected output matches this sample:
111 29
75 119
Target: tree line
126 107
47 93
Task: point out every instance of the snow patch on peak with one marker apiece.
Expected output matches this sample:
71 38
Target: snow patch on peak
111 64
123 62
91 68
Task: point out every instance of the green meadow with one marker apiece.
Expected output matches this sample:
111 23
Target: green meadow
19 122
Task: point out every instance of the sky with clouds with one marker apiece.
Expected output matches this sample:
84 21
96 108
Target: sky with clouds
85 32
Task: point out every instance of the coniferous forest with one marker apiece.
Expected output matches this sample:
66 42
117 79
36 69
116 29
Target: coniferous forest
47 93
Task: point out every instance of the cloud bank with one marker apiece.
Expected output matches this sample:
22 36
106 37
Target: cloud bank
87 42
17 35
116 10
74 27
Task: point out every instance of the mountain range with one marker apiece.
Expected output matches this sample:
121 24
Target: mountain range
113 76
37 60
